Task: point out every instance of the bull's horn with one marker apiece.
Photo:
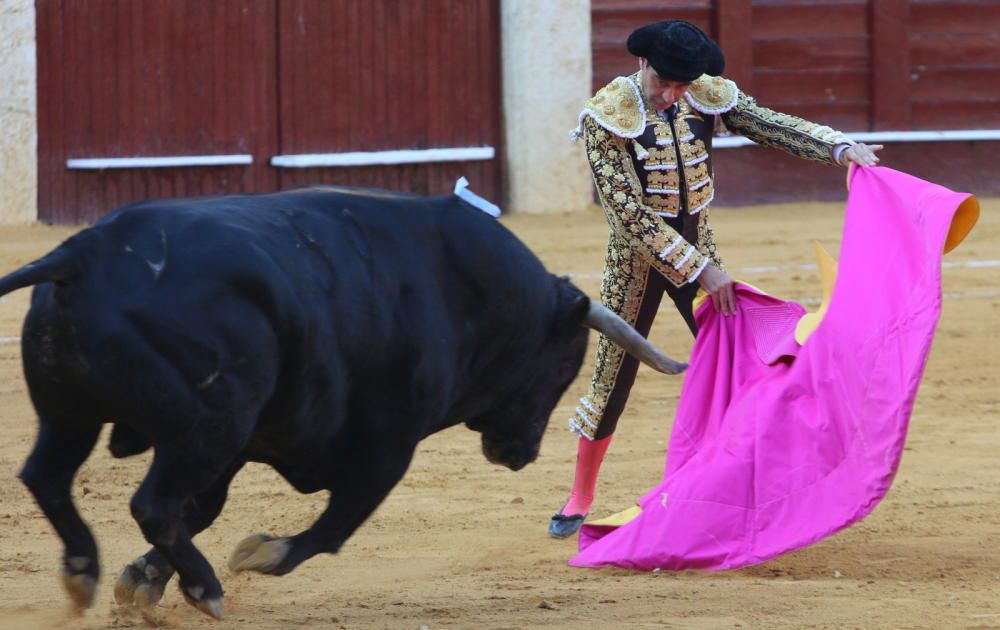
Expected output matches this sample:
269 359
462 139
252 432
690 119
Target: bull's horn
617 330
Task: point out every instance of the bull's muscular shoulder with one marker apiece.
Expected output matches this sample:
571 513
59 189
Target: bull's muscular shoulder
712 95
618 107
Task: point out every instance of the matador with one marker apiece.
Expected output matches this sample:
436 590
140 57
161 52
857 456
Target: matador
648 139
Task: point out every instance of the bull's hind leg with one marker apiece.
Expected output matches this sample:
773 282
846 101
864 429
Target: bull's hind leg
175 477
358 485
48 474
143 581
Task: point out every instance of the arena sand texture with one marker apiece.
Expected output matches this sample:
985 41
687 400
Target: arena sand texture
462 544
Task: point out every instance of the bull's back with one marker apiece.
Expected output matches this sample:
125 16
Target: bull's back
150 330
182 307
203 305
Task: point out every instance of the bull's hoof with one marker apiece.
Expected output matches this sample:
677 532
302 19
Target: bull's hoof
260 553
140 584
211 606
81 587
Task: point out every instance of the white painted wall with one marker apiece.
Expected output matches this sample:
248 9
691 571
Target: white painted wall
546 80
18 113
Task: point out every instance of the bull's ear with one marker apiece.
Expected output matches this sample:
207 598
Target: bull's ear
572 305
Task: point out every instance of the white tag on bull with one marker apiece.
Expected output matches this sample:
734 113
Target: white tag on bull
462 190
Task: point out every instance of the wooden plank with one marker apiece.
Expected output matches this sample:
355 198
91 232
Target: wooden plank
954 49
257 33
608 64
811 20
960 114
755 175
428 179
734 33
492 178
955 16
890 64
812 87
391 75
614 6
149 78
51 102
791 4
954 83
613 29
811 53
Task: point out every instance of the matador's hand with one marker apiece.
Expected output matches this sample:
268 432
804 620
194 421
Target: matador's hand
719 285
860 154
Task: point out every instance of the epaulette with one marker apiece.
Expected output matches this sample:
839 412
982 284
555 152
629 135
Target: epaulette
712 95
617 107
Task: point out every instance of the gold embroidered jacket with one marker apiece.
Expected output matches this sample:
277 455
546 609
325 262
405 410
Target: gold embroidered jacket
654 175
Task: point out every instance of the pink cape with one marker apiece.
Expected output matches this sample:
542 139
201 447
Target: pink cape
775 445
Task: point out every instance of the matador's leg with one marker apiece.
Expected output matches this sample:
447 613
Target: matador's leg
633 290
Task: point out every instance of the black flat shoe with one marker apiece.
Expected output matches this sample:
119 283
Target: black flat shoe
563 526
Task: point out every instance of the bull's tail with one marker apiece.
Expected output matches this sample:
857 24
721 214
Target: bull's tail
58 266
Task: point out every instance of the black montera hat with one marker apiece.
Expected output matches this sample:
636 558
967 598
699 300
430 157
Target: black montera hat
677 50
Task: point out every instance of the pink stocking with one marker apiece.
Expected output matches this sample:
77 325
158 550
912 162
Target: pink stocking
589 455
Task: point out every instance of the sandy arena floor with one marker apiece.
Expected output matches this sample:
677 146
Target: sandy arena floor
462 544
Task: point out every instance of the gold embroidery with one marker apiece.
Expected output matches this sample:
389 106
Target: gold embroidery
693 115
637 240
618 107
661 157
693 150
621 192
783 131
699 197
622 289
695 174
662 179
665 203
694 260
664 137
683 129
706 239
712 95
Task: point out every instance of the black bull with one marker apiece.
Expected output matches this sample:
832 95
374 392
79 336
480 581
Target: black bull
323 331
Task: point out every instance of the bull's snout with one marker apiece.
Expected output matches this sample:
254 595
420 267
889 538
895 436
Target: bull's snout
510 453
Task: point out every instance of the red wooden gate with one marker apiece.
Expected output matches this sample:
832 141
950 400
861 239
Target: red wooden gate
397 74
143 98
151 79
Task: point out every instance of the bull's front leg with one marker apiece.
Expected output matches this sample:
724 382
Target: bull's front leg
360 482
